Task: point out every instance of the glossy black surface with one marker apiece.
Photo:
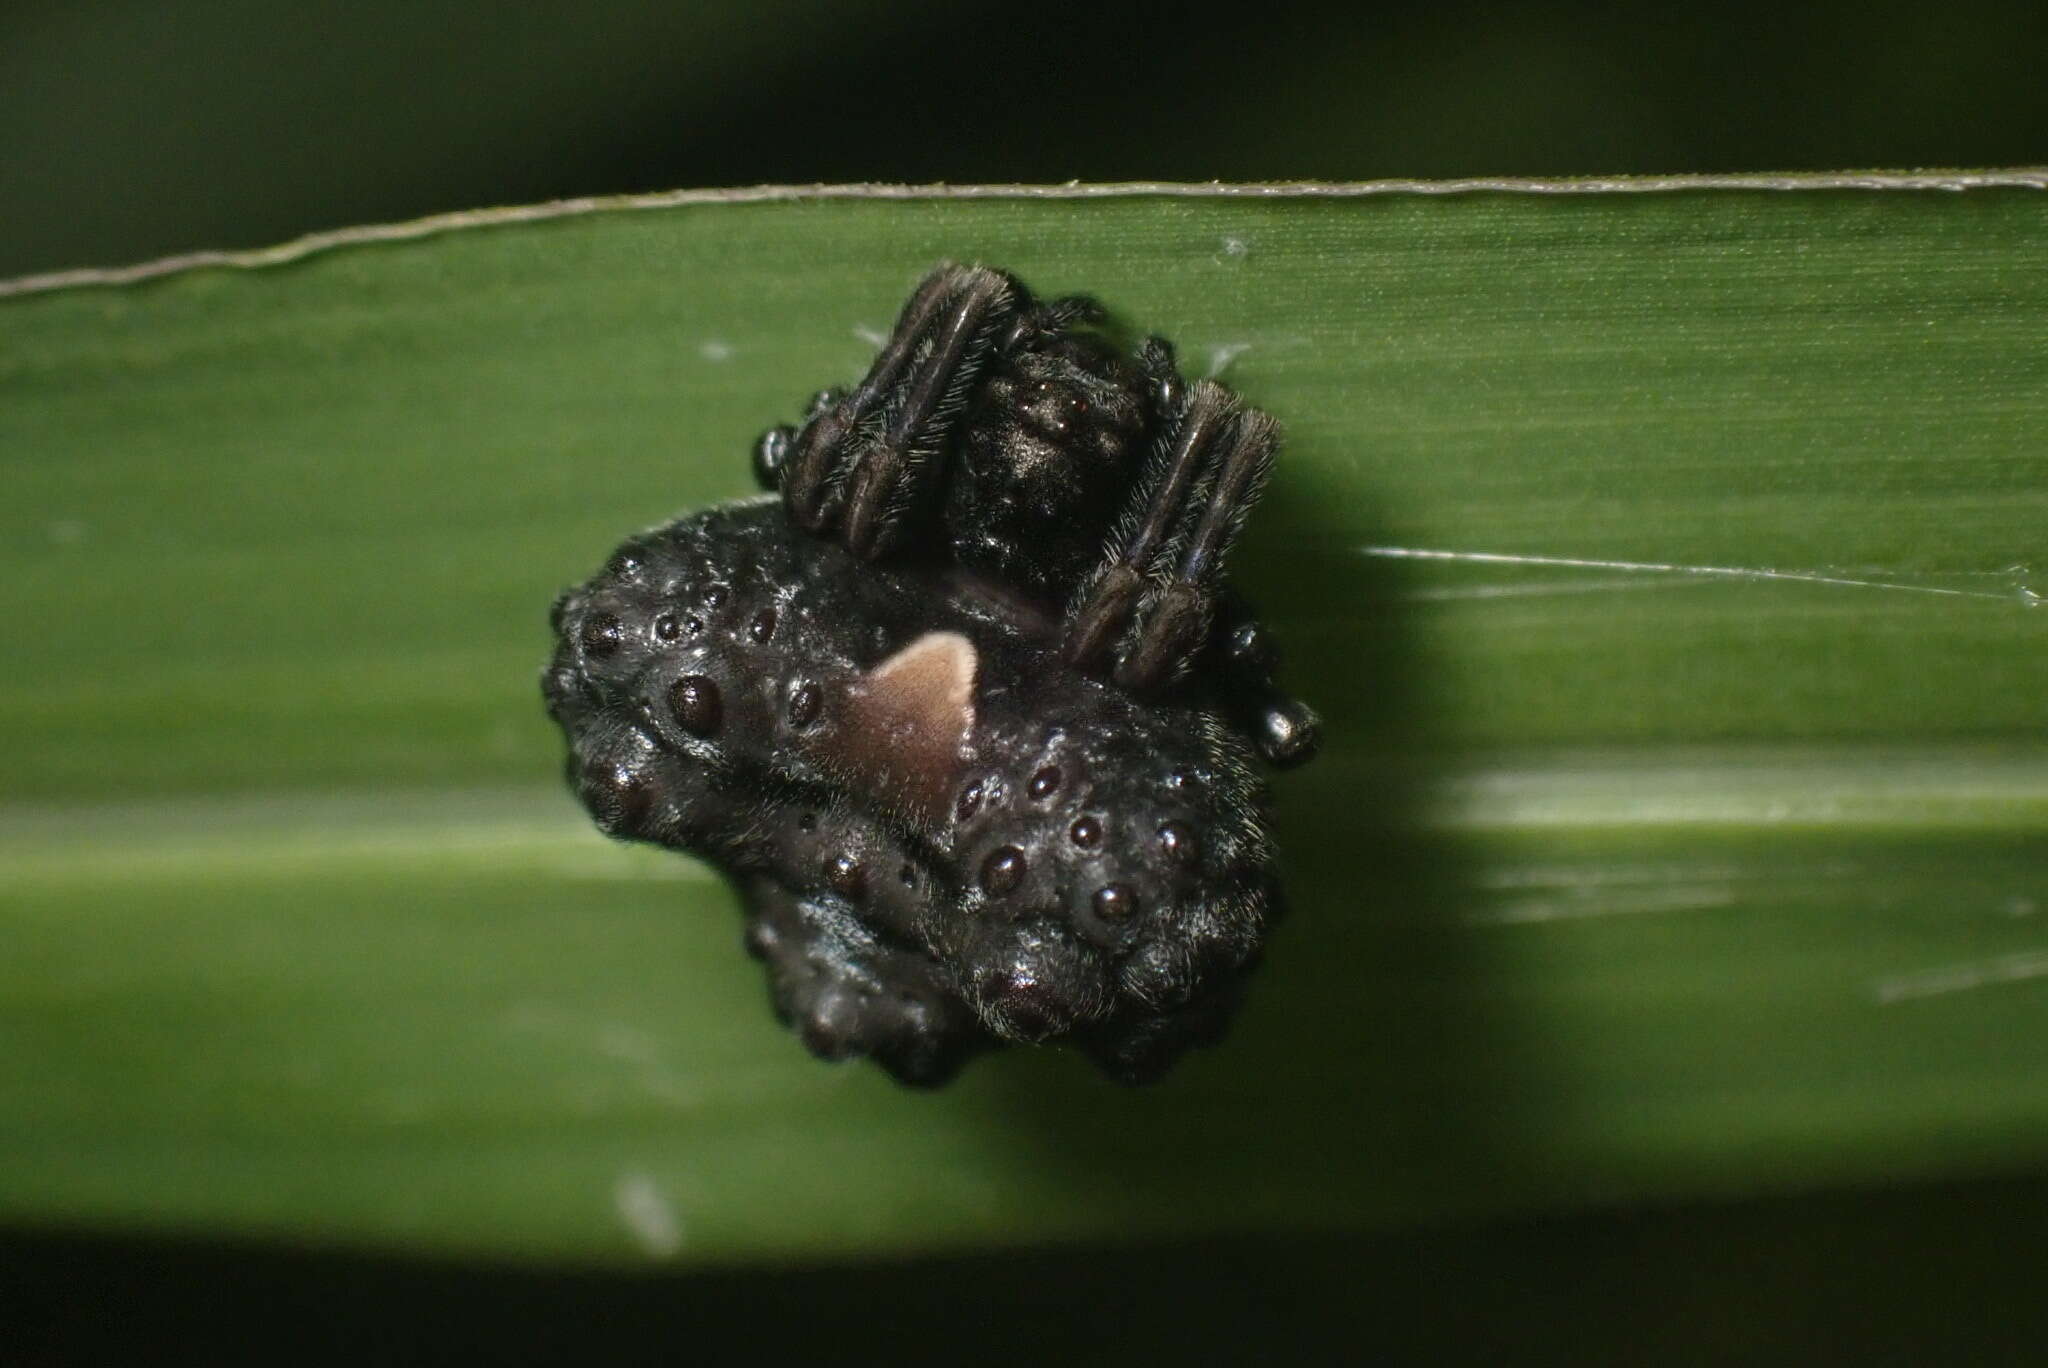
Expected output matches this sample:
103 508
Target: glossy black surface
897 708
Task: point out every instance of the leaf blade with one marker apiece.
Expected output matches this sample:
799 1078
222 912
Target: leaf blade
1599 890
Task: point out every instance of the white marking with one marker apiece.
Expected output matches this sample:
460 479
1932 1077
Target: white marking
1222 355
1572 878
1961 978
1556 589
1959 787
1235 247
648 1216
638 1051
931 680
1693 571
715 351
870 335
628 1043
1527 911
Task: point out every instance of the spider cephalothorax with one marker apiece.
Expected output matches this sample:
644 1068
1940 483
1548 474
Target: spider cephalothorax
968 713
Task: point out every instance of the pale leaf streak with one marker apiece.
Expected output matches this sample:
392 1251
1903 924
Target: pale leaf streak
1732 572
1222 354
1572 878
1961 978
646 1213
1556 589
639 1051
1525 911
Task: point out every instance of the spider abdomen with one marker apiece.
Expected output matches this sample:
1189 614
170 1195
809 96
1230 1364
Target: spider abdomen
1059 854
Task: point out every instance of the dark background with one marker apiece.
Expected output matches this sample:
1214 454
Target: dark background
1940 1275
135 128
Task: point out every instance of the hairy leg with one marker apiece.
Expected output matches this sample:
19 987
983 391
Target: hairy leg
1148 613
867 458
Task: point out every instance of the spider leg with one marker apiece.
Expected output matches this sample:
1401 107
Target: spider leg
1166 570
810 458
885 486
876 446
1052 319
771 451
1104 607
1178 616
1155 358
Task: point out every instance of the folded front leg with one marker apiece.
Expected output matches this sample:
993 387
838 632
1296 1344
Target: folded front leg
1147 613
866 460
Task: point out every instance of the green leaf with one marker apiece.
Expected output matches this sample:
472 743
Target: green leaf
1664 559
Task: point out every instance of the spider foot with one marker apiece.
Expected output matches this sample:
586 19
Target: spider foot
1286 730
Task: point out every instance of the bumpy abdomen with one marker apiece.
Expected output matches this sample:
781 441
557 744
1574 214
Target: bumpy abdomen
944 837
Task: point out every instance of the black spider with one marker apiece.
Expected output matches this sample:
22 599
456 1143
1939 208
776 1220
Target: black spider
968 713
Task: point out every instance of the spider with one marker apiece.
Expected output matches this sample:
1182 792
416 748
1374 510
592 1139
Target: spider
964 705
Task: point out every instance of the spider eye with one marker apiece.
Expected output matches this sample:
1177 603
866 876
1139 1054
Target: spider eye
1180 843
602 634
806 701
849 878
969 802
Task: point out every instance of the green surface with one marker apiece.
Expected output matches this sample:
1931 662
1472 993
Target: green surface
1678 832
